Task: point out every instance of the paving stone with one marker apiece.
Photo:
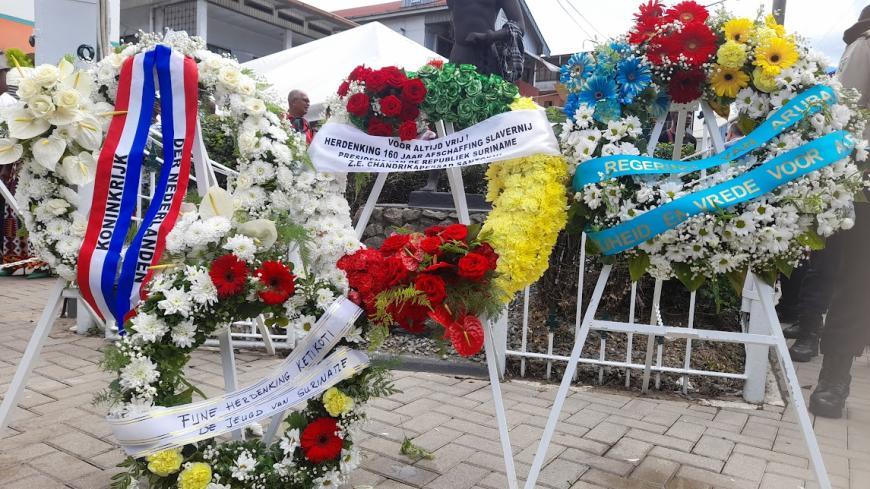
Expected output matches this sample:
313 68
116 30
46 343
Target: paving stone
400 471
446 457
744 466
710 446
607 432
606 479
655 470
561 473
775 481
80 444
629 450
686 430
714 479
661 440
461 476
688 458
37 481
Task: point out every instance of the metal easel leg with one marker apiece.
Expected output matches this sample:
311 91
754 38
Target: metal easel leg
651 340
500 415
558 403
765 293
228 361
31 353
266 334
369 206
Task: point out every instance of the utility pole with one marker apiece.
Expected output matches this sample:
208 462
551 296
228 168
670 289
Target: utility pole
779 11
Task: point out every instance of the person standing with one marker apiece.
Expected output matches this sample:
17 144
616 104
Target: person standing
847 330
298 103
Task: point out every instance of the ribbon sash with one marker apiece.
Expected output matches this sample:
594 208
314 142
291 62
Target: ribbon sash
344 148
300 376
116 186
784 168
802 105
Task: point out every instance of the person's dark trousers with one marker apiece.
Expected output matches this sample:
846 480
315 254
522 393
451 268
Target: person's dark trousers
847 326
814 300
790 287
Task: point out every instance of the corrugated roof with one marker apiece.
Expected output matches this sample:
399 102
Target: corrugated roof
385 8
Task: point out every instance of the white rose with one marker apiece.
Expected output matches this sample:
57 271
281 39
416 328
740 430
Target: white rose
41 105
56 207
230 77
27 89
255 107
46 75
247 86
67 99
248 142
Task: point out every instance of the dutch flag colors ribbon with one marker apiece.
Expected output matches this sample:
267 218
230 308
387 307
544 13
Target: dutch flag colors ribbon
109 277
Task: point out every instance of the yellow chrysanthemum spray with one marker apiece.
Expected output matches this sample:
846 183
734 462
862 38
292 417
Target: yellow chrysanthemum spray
336 402
196 475
732 54
165 462
528 198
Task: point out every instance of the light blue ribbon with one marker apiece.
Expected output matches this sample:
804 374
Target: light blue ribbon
802 105
763 179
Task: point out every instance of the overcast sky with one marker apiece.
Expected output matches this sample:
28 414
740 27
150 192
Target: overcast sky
568 30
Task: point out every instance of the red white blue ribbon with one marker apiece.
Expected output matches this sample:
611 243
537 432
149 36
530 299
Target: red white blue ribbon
110 278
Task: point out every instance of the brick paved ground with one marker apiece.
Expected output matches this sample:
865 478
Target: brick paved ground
606 439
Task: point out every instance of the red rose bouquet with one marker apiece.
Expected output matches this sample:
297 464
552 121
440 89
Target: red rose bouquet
382 102
444 274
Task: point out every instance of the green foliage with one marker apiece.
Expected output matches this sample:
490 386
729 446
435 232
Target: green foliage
638 265
414 452
397 295
378 334
218 135
666 150
16 57
690 279
556 115
812 240
374 381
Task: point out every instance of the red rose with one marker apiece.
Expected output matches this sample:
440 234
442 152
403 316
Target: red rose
394 243
454 232
359 104
410 317
441 265
394 76
377 127
395 271
433 230
466 335
375 82
473 266
319 440
409 112
432 286
491 256
408 130
431 245
342 89
414 91
360 73
391 106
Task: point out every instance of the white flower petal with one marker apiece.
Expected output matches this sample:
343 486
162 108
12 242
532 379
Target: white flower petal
47 151
81 169
88 132
81 81
24 125
64 115
10 151
217 202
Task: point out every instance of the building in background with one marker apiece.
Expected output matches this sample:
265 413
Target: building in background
427 22
247 29
16 25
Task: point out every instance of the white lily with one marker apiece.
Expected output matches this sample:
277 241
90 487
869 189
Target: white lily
217 202
81 169
10 151
88 132
24 125
262 230
64 115
47 151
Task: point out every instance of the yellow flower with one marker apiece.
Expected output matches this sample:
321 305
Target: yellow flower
775 54
196 476
731 54
336 402
728 81
524 103
763 81
763 34
165 462
739 30
771 23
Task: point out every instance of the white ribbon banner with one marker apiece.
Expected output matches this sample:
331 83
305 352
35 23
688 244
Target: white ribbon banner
341 147
301 376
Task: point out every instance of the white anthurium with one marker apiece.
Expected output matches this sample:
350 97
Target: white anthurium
18 73
104 112
64 115
80 81
88 132
24 125
47 151
263 231
80 169
65 69
217 202
10 151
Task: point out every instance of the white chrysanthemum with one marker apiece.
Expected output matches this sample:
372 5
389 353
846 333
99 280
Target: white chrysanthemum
743 225
139 373
244 466
583 116
325 297
242 247
202 289
176 301
615 131
303 325
261 171
290 441
149 328
329 480
183 334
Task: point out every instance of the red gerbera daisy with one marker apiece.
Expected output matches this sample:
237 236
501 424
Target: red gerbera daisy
696 43
685 85
319 440
688 12
653 9
644 30
279 281
466 335
228 274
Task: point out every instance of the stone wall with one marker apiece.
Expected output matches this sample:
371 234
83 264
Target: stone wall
387 218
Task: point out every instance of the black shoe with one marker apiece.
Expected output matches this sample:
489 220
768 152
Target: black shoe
829 398
805 349
793 331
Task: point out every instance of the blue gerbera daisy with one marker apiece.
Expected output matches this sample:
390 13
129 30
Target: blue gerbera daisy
607 110
660 104
597 88
633 77
572 103
579 67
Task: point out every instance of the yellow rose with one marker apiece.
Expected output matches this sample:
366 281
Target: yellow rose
732 54
336 402
196 476
763 81
165 462
524 103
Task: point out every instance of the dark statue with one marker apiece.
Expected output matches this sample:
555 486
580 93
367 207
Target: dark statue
474 38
